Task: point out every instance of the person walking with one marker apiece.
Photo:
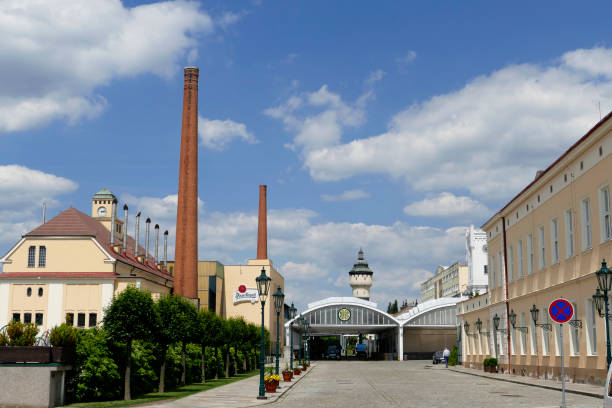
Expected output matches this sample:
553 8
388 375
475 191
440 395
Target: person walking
446 355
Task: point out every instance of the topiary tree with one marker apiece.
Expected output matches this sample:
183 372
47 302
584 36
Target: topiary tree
188 333
453 359
131 316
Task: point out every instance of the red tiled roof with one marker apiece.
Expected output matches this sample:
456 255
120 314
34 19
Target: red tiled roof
74 223
44 275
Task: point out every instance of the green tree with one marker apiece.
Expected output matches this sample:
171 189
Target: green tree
395 308
131 316
207 334
173 321
189 332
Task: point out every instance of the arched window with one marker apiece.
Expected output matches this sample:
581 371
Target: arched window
29 292
40 292
31 256
42 256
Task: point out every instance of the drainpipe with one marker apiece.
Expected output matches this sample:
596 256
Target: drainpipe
125 228
147 229
137 235
156 243
506 291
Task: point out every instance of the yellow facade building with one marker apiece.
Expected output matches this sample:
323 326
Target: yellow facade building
448 281
70 267
545 244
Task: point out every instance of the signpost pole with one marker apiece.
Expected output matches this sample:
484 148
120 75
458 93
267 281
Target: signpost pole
562 366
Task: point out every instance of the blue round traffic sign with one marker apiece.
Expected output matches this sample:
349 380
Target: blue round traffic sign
561 310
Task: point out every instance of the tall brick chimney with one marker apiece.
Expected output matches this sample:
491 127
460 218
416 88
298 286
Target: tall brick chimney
262 225
186 247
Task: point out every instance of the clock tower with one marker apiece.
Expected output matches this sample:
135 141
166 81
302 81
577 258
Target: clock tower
102 208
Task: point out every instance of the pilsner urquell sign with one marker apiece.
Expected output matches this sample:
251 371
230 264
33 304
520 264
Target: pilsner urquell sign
246 295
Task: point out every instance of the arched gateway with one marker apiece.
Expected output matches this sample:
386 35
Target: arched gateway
415 333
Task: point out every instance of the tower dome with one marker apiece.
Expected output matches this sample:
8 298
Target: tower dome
360 277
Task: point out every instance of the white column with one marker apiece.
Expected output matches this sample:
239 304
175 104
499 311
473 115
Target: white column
4 303
55 305
400 346
107 296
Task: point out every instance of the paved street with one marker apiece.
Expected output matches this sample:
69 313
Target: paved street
410 384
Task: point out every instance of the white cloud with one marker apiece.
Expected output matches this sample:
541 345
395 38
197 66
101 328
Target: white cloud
375 76
23 190
217 134
406 59
55 54
318 130
229 18
447 205
489 137
157 208
347 195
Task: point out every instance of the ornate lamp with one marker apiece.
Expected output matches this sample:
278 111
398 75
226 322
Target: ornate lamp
512 317
263 286
604 277
604 280
598 299
478 325
279 301
466 326
534 316
496 322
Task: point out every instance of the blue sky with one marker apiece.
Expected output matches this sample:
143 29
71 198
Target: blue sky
384 125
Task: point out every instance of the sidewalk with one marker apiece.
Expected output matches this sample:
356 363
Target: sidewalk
240 394
574 388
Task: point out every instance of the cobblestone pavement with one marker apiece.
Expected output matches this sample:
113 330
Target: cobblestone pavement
357 384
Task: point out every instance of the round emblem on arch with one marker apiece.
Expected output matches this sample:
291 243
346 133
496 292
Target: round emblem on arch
344 314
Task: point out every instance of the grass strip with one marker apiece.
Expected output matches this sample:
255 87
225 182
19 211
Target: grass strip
175 393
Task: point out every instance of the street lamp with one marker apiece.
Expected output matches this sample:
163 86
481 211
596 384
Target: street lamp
604 281
478 325
263 286
300 324
292 312
308 332
534 316
279 301
466 326
512 317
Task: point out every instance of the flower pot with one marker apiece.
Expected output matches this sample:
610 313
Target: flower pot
287 376
304 368
25 354
297 371
63 354
271 386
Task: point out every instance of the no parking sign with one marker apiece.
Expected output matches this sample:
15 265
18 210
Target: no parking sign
561 310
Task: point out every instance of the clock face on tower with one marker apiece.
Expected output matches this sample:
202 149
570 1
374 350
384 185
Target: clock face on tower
102 212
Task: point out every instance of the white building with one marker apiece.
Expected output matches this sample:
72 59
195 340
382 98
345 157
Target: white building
477 260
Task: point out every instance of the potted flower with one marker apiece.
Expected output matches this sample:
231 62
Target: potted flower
304 365
297 370
271 382
287 374
490 365
63 340
16 344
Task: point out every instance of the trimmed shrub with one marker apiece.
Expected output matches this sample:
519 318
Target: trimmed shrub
63 336
453 359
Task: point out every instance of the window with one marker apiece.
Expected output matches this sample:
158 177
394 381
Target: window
27 317
16 317
492 262
81 320
585 214
42 256
574 339
523 335
529 254
542 254
545 337
93 319
486 269
500 269
581 165
591 326
70 319
554 241
29 292
604 213
519 260
40 292
39 319
510 264
569 233
31 256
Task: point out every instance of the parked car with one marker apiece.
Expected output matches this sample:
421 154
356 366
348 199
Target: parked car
333 353
438 357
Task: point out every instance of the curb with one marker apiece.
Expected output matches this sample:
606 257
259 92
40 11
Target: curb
548 387
282 396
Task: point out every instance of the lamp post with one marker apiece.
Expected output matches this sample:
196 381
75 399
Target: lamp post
478 325
279 301
604 281
292 312
513 322
496 320
263 286
308 342
534 316
300 323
